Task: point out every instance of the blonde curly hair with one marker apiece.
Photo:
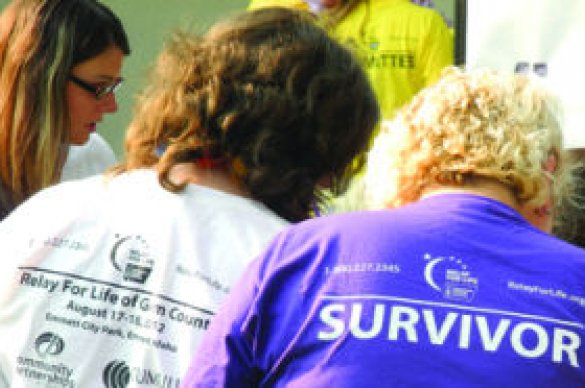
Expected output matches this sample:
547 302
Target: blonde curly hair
476 123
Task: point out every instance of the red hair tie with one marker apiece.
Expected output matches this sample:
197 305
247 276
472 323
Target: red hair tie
208 160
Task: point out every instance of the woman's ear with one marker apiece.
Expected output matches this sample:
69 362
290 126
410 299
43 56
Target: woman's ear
541 215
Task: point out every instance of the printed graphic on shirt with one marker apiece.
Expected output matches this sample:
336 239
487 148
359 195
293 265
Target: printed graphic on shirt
90 306
49 344
42 366
112 310
209 280
541 291
131 256
56 242
372 54
116 375
456 281
362 267
119 374
458 328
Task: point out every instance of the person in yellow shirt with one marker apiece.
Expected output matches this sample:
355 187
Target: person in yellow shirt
402 46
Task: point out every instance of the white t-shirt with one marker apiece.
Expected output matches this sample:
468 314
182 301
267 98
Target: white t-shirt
113 282
91 158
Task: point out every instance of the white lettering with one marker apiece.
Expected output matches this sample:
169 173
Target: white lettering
437 337
559 346
407 324
542 340
465 334
336 324
491 344
528 339
356 317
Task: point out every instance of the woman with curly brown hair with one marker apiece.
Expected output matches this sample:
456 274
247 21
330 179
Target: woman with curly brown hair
232 138
277 114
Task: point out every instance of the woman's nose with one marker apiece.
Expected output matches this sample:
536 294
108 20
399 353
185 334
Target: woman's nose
108 103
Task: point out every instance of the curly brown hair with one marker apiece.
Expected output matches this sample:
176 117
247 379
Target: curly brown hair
268 91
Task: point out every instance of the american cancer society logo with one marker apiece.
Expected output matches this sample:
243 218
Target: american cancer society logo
132 257
451 277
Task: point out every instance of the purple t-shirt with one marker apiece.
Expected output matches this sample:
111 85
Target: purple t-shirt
455 290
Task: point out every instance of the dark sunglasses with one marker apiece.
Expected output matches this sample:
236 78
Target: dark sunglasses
98 91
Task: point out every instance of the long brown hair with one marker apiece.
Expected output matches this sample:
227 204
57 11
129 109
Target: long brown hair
40 42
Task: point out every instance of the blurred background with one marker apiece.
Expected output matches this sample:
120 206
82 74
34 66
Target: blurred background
492 33
148 23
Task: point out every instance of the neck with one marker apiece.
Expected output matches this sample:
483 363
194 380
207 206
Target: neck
479 186
215 178
539 215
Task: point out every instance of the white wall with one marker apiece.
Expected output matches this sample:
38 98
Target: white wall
502 33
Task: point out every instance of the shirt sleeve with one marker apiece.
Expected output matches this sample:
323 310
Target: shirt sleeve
226 356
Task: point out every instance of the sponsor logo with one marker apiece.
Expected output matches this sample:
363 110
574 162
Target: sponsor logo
132 257
49 344
116 374
43 373
451 277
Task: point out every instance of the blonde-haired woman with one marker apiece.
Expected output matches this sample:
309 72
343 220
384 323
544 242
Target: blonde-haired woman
475 129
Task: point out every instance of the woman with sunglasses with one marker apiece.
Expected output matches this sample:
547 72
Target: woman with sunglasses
60 62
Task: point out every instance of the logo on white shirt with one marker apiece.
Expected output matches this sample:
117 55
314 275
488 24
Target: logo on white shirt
131 255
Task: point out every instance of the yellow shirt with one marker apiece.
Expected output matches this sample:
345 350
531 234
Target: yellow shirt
403 47
298 4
